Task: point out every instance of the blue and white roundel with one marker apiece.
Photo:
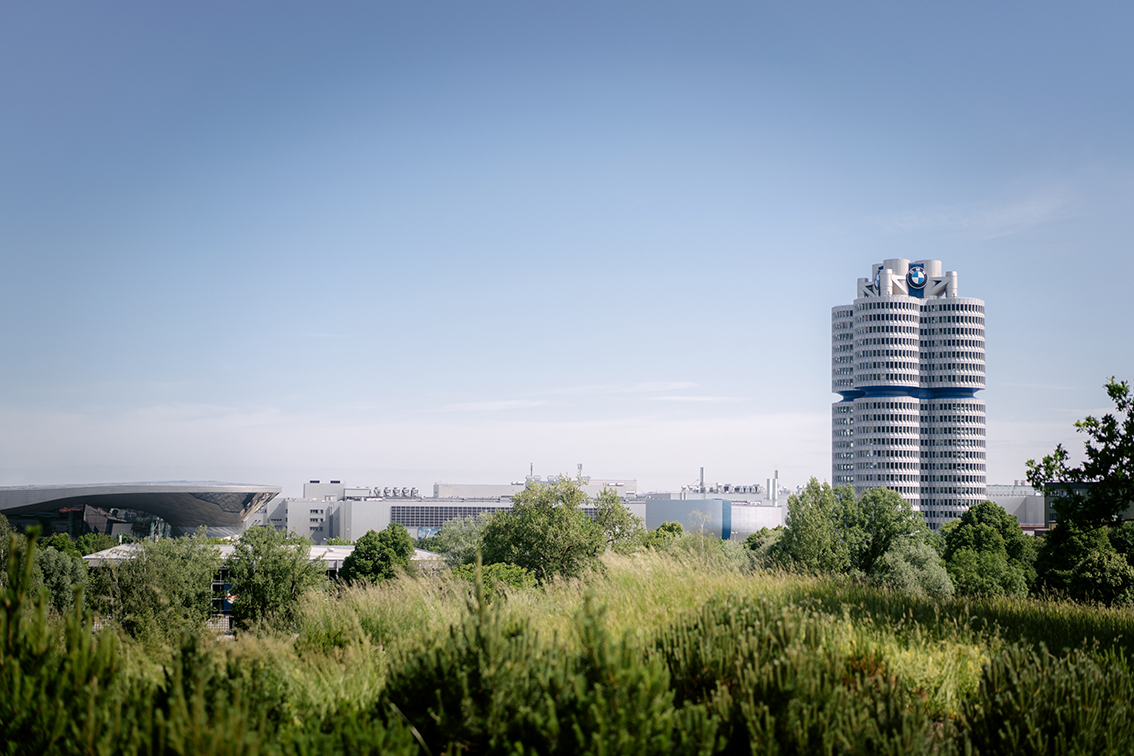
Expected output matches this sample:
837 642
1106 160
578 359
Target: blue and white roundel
916 276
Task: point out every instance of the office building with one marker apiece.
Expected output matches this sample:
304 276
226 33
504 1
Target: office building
907 359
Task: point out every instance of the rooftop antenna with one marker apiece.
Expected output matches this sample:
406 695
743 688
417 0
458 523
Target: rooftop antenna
580 466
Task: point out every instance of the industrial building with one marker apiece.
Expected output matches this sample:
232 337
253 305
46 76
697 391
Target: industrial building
335 510
907 358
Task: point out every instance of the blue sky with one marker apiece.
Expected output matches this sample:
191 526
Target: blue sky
398 243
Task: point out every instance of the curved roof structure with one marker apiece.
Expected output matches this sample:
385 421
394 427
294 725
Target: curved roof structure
184 505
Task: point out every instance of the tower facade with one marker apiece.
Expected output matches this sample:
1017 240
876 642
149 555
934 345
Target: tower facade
907 358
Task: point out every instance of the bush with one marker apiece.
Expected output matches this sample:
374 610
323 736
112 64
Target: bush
497 579
379 556
270 572
914 566
163 588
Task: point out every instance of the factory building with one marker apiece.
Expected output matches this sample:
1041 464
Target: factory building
335 510
907 359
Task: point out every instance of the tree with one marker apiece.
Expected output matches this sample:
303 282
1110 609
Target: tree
461 538
1099 490
163 587
546 532
60 542
987 554
912 565
1105 577
664 535
379 556
812 541
874 524
763 545
61 573
90 543
269 572
622 529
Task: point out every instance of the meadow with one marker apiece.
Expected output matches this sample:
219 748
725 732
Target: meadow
653 653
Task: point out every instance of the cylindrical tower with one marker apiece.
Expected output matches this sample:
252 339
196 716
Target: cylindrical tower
908 419
953 438
842 383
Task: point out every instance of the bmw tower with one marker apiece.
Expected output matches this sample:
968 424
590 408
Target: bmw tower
907 359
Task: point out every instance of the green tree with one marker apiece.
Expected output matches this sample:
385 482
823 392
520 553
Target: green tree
1101 489
461 538
61 574
61 542
160 588
1104 577
763 546
913 566
986 573
379 556
987 554
622 529
546 532
1063 548
664 536
270 571
874 524
90 543
812 541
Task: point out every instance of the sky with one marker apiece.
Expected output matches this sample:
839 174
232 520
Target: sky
397 243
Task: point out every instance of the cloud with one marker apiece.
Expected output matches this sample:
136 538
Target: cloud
655 386
630 388
984 220
698 399
492 406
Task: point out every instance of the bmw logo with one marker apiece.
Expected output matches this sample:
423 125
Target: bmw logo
916 276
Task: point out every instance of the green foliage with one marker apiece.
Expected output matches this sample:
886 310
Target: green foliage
771 678
61 542
269 573
1105 577
873 525
1108 469
497 578
812 542
1064 549
164 587
763 545
986 573
987 554
664 535
751 662
493 686
61 575
622 529
546 532
336 541
460 539
1030 702
913 566
379 556
90 543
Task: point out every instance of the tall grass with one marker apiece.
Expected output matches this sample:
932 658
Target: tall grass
654 653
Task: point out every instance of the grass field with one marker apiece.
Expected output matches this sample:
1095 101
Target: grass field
655 653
